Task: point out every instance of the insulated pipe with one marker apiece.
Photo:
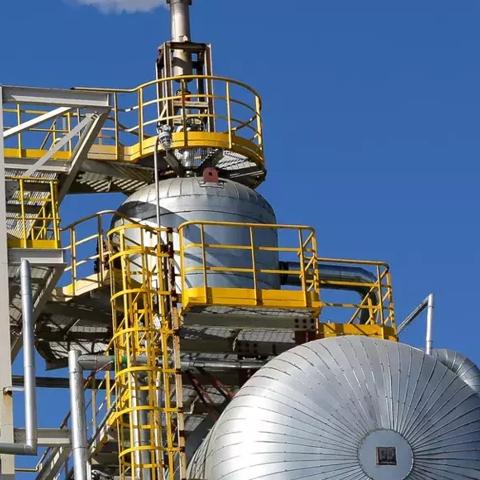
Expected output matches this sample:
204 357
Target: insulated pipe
337 273
180 13
428 304
77 408
461 366
31 429
96 362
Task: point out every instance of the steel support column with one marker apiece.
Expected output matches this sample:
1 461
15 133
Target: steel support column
7 462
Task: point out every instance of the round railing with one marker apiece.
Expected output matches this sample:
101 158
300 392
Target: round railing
203 111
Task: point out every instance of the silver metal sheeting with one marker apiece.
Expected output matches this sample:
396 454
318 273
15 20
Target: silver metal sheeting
313 413
460 365
192 199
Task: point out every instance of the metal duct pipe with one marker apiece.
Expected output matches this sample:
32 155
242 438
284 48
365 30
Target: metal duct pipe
460 365
180 15
337 273
79 427
96 362
427 303
31 429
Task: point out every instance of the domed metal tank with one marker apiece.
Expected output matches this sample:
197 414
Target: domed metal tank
347 408
194 199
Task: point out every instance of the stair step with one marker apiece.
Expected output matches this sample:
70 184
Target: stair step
28 209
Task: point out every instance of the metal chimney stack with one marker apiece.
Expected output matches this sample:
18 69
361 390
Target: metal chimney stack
180 13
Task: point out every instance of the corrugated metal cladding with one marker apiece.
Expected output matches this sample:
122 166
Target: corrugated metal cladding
347 408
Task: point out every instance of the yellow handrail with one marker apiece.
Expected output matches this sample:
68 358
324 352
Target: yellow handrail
226 116
304 248
33 213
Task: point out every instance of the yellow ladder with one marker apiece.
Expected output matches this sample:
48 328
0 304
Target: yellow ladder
148 382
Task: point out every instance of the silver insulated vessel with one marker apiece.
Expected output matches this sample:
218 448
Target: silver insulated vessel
194 199
347 408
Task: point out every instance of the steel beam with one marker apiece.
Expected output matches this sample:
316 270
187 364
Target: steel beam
84 124
35 121
47 437
55 166
55 96
37 256
81 151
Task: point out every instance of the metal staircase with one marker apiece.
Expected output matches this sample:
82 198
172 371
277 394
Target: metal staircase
47 135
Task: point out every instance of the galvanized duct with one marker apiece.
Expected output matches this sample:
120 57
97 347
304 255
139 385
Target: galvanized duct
347 408
460 365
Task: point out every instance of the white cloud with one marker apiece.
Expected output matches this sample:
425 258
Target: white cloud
120 6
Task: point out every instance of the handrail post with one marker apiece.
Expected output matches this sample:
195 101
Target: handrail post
116 125
254 262
19 137
184 114
101 252
73 257
204 262
229 114
302 266
56 223
69 128
140 118
22 212
258 109
380 297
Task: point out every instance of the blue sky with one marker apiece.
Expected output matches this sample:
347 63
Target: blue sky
372 120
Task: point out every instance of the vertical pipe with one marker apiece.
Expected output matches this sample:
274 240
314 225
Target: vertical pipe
429 336
180 14
79 428
31 432
28 356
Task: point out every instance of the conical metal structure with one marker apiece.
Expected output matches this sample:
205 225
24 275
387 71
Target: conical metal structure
349 408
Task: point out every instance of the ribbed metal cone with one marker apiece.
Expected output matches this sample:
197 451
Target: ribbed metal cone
322 411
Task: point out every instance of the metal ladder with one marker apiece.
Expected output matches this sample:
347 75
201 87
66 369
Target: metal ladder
148 381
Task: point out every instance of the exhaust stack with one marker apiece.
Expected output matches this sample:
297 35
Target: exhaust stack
180 18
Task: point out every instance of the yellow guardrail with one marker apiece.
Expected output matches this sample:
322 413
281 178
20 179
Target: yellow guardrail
372 312
204 111
32 213
87 253
364 306
257 270
36 140
227 114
